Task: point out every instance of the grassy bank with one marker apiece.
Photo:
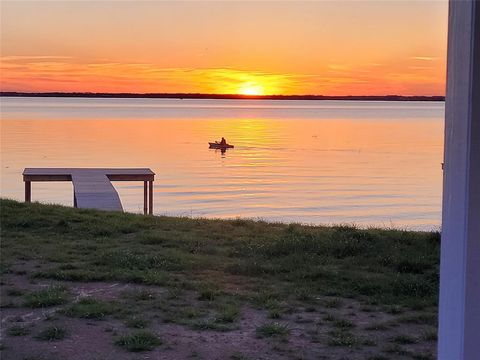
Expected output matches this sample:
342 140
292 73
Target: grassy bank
210 271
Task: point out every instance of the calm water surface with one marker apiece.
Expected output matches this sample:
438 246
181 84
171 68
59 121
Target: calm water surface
321 162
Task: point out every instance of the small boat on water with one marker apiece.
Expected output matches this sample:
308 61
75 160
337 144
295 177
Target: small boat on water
217 145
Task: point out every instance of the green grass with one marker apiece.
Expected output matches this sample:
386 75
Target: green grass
273 329
15 292
394 310
190 312
140 341
136 322
238 356
423 356
265 299
428 319
208 292
274 314
430 335
139 295
333 303
18 330
376 266
212 325
89 308
51 296
404 339
52 333
228 314
343 324
368 342
396 349
376 326
342 338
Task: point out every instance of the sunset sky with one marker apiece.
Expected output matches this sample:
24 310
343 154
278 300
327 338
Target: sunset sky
249 47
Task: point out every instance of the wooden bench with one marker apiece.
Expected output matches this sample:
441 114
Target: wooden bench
92 186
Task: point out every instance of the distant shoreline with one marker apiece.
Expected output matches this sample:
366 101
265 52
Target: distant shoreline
222 96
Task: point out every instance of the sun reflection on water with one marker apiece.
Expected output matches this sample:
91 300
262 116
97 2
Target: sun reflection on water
324 170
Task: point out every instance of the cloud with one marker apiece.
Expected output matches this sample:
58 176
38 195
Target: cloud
423 58
57 73
32 57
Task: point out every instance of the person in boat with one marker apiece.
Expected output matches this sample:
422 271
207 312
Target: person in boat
223 141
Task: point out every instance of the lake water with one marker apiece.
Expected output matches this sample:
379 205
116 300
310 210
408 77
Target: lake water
320 162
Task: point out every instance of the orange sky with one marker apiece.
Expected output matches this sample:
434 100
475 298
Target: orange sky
250 47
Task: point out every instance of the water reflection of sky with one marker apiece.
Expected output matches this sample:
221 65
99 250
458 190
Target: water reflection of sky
368 163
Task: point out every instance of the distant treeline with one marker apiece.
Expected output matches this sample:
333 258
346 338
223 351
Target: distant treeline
222 96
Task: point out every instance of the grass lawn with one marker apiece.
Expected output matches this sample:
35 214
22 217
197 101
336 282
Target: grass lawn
184 288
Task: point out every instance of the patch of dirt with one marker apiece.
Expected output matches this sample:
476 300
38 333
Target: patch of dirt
310 325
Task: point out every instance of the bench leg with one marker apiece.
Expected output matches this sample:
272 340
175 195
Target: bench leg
145 197
150 198
28 191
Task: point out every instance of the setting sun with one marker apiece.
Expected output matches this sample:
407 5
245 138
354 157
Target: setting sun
251 89
170 53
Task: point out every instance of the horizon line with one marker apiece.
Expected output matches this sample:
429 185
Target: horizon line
88 94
